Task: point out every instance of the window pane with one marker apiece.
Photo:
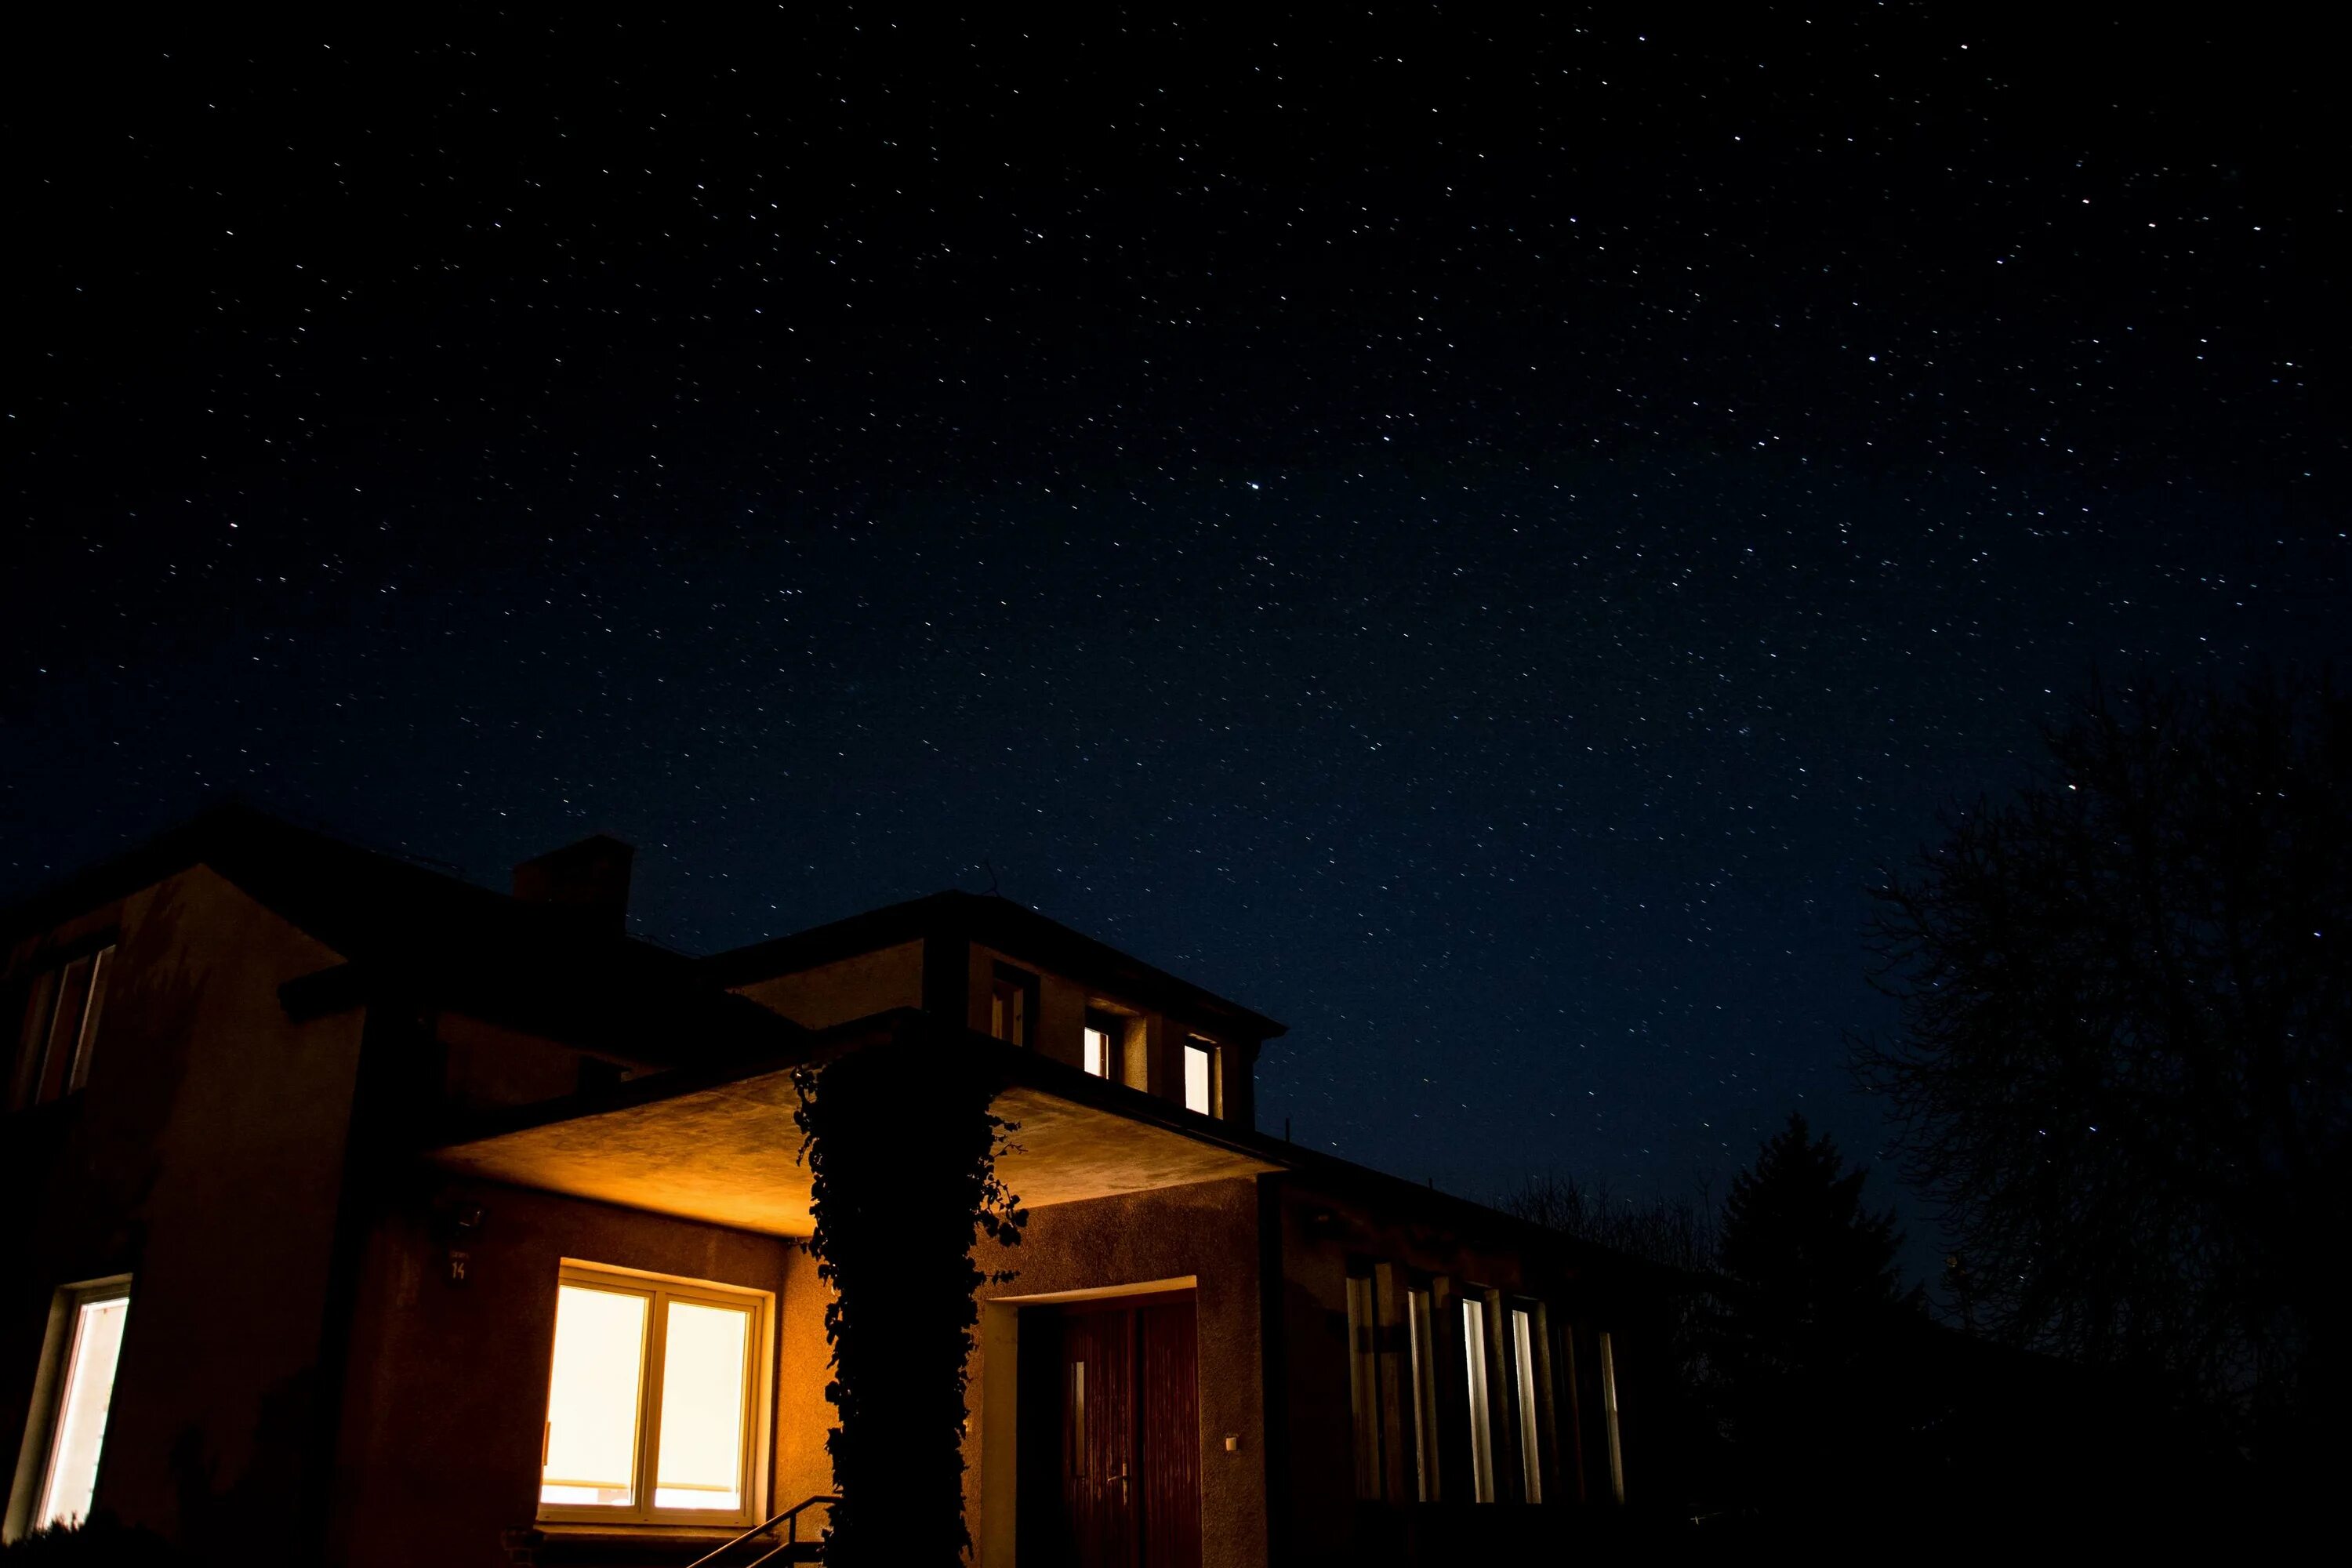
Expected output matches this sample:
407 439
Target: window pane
1609 1408
1482 1427
65 1029
1364 1383
81 1414
1523 1367
1196 1078
701 1453
591 1398
80 1073
1097 1051
1424 1395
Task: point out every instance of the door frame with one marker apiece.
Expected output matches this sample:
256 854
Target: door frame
999 1399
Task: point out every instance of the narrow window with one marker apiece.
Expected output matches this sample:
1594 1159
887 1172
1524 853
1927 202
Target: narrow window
1012 1003
629 1345
1078 1418
1523 1376
61 1026
1481 1422
1609 1410
92 1349
1102 1028
1198 1055
1364 1384
1420 1336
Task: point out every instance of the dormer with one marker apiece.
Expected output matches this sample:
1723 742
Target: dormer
1008 971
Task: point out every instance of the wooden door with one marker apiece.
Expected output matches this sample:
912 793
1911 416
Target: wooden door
1125 1409
1168 1435
1098 1480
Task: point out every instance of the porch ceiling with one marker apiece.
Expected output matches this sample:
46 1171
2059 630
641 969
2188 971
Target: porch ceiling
728 1155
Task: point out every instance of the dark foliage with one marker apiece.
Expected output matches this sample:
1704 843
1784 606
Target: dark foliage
902 1153
2122 1066
1810 1318
99 1543
1679 1232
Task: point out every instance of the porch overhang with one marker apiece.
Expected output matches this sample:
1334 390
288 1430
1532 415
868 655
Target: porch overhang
725 1151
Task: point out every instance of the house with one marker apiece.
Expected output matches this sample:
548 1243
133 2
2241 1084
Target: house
360 1214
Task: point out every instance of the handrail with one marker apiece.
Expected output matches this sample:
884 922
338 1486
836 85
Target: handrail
790 1514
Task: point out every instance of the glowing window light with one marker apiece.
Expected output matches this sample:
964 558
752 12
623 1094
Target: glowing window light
1482 1429
703 1361
591 1399
1196 1077
80 1431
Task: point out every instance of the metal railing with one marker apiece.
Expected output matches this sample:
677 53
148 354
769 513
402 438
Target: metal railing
788 1548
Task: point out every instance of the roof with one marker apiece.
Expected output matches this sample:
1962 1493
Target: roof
999 923
444 942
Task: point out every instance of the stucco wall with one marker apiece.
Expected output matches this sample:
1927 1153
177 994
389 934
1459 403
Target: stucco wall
855 987
204 1160
1208 1232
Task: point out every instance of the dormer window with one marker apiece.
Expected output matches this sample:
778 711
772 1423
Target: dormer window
1012 1005
60 1028
1104 1031
1200 1075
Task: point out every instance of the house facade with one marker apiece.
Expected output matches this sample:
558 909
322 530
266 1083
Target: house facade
364 1216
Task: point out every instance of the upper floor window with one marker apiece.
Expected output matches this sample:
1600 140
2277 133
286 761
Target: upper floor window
60 1026
1200 1075
652 1400
1012 1005
75 1392
1104 1033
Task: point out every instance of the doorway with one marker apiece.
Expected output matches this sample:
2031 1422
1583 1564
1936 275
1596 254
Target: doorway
1110 1434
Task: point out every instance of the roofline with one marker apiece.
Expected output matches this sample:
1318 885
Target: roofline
995 922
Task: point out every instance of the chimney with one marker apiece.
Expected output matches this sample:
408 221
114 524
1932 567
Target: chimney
589 878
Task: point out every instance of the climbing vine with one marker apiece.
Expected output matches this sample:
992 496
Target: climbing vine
901 1149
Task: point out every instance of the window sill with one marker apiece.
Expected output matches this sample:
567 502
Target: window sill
551 1543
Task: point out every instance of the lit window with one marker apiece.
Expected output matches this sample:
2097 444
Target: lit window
88 1351
60 1026
1523 1378
1102 1028
1482 1421
1200 1060
1609 1410
628 1344
1364 1383
1422 1338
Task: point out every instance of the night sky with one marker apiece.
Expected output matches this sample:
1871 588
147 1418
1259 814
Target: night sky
1478 545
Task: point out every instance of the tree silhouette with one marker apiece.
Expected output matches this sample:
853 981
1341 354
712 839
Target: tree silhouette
2122 1060
1809 1300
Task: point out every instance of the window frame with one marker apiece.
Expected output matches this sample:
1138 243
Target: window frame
1365 1412
1477 1333
37 1455
1018 987
758 1397
1526 1366
1113 1030
1420 1314
1211 1076
41 995
1605 1351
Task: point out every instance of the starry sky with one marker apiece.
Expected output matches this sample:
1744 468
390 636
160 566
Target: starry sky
1475 536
